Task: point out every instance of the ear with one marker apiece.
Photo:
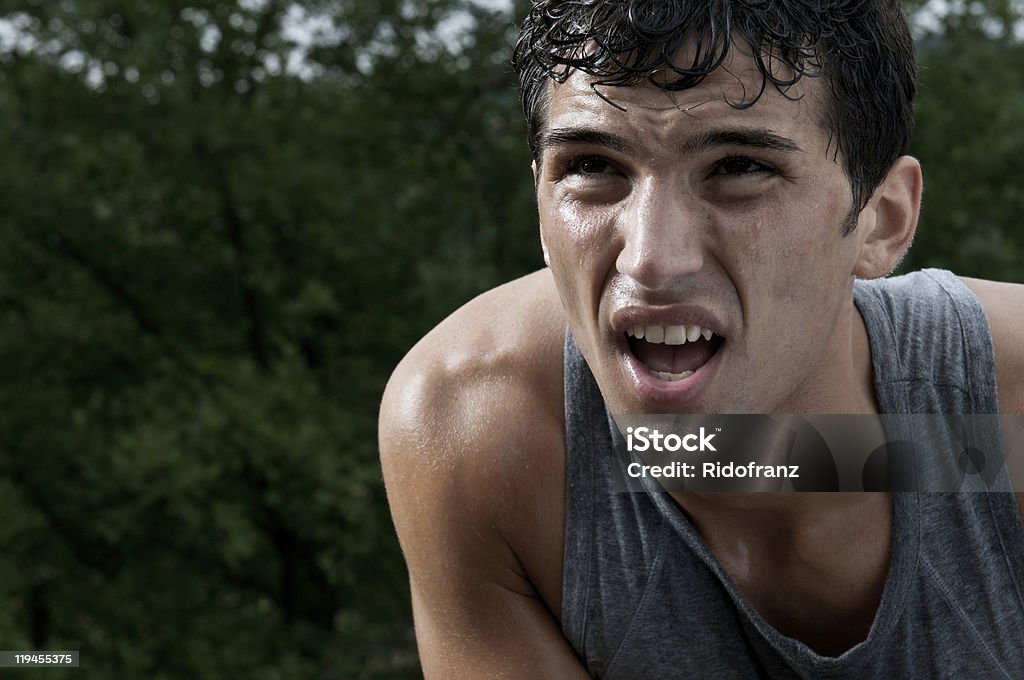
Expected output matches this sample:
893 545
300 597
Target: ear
543 245
889 220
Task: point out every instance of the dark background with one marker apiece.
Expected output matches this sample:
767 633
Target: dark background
210 263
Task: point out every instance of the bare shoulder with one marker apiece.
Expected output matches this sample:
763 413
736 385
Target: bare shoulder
1004 306
484 373
472 449
481 394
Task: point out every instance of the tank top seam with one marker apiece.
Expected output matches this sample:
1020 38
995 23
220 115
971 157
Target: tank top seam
587 545
903 377
579 525
870 304
961 307
1015 571
910 509
936 582
967 303
657 564
901 574
930 381
880 327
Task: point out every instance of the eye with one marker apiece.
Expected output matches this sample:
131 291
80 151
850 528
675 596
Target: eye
590 165
741 165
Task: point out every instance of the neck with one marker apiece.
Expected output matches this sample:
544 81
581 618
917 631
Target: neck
844 382
848 388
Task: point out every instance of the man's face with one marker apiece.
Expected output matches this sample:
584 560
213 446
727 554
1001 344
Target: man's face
679 210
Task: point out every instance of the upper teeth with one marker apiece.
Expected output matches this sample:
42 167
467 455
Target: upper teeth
670 335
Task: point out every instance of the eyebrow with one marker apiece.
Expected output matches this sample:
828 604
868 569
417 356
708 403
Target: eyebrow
762 139
756 138
582 135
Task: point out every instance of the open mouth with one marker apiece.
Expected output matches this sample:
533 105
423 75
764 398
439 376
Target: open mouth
673 353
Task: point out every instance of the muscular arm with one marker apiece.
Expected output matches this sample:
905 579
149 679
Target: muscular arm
469 477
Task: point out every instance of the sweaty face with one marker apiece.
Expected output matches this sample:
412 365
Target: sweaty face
697 247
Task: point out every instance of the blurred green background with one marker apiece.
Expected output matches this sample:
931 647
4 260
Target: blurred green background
222 225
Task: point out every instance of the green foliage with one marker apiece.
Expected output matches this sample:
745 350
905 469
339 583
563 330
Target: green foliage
969 139
209 268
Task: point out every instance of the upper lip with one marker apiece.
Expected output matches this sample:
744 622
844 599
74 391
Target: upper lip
628 316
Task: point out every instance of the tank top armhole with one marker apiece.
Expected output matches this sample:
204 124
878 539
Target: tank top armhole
579 501
927 330
886 365
978 367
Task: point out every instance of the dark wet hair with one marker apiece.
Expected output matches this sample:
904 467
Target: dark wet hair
862 49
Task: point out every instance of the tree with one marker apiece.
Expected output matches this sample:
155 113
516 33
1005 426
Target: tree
968 137
210 265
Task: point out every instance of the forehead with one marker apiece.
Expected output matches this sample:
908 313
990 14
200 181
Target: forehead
659 115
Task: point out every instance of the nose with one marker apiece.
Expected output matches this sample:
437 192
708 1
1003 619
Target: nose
664 235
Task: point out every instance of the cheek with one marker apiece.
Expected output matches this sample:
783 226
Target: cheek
568 239
810 245
789 261
580 241
582 248
584 230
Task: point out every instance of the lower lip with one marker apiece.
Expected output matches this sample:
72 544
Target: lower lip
653 390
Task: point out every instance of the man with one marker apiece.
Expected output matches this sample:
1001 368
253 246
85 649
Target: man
711 179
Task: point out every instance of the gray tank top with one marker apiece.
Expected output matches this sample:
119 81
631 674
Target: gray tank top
643 596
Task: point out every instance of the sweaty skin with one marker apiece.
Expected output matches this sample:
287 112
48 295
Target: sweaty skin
678 209
693 211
